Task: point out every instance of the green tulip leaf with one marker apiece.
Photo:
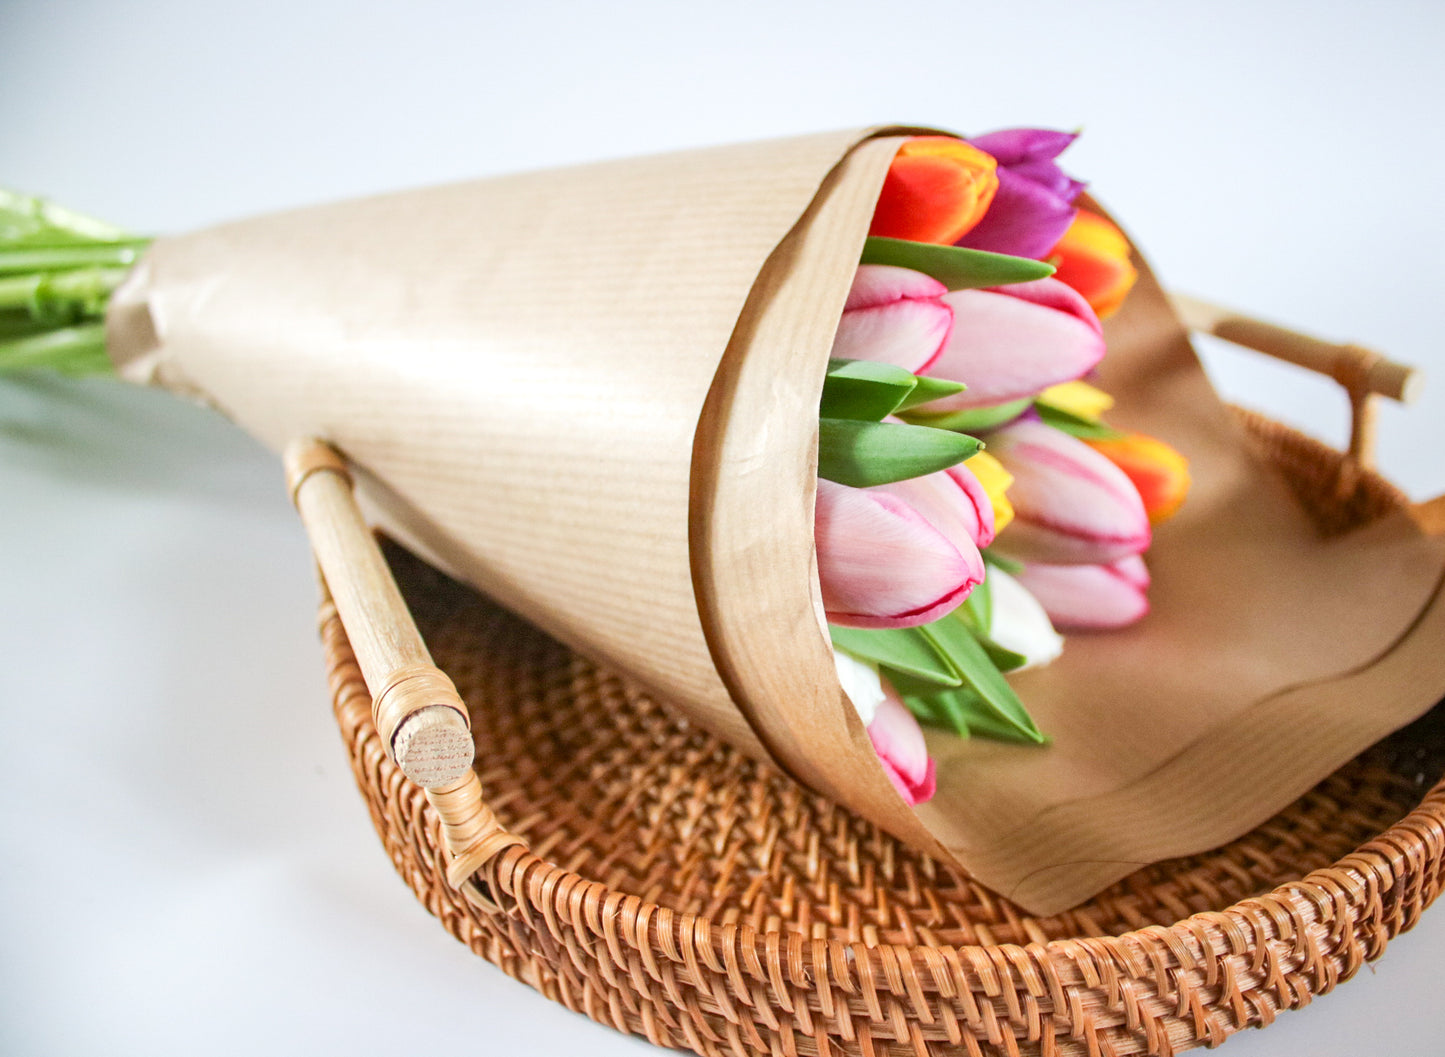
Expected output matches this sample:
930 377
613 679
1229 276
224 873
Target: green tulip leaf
984 722
973 419
1004 659
943 708
929 389
905 651
952 639
953 266
863 454
1075 425
862 389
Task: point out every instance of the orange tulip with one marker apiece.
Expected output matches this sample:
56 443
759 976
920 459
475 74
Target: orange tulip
1093 258
1159 472
936 190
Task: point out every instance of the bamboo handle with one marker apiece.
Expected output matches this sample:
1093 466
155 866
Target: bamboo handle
1362 373
420 717
416 709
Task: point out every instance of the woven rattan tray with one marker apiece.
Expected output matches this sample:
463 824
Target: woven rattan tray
648 875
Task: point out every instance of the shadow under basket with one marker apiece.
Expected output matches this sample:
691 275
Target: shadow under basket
657 880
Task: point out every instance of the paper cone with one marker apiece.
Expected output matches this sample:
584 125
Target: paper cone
592 393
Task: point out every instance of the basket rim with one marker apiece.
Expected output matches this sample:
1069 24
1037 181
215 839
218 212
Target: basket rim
1263 953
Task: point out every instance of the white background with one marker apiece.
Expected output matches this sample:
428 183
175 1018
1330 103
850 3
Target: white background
187 867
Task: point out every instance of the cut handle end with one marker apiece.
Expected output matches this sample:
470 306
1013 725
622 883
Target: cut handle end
433 747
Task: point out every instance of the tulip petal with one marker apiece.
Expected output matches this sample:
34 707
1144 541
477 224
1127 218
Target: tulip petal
936 189
1011 342
1089 597
952 501
1020 623
898 740
1071 505
1093 258
875 285
1015 146
995 481
1034 204
893 315
882 564
861 682
1026 219
1160 473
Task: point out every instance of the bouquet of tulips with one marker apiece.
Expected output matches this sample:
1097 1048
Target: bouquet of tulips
809 439
971 501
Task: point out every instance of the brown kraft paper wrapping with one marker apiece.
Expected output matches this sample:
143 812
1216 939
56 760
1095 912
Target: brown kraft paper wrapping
592 393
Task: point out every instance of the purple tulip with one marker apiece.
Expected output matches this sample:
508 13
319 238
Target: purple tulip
1072 506
1034 204
894 315
1090 597
1012 342
896 555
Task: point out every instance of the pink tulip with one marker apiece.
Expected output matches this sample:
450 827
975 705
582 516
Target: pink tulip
1090 597
952 501
894 732
1011 342
1072 506
898 740
894 315
896 555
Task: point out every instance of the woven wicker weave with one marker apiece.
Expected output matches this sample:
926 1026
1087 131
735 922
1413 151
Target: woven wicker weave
673 888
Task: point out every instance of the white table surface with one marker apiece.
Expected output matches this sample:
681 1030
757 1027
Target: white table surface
187 866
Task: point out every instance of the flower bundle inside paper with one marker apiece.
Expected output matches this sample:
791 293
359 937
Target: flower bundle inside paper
593 394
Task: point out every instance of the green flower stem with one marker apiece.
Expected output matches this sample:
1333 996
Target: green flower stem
83 290
74 350
63 258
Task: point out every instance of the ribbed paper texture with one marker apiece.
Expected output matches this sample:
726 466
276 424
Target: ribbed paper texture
593 394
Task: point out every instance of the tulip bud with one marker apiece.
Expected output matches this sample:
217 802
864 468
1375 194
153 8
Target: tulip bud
894 315
896 555
1071 505
1159 473
894 733
1093 258
1089 597
1010 342
898 740
936 190
1019 623
1034 204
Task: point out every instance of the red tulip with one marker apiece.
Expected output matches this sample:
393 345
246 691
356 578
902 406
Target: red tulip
1090 597
936 190
1093 258
1071 505
896 555
894 315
